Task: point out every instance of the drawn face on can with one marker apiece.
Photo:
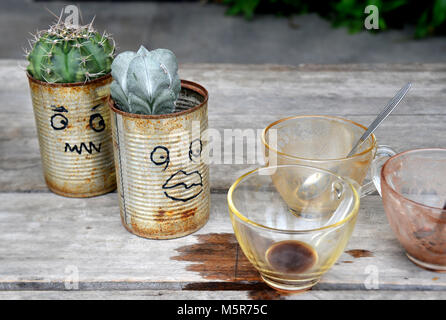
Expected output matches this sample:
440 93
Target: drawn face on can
60 120
181 185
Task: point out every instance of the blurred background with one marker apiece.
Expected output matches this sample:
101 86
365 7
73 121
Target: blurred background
249 31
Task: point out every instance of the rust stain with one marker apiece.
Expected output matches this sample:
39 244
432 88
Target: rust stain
76 98
161 217
435 278
164 224
73 191
185 84
164 215
347 261
359 253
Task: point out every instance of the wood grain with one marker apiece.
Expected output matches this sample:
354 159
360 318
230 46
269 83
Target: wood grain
45 237
251 97
49 236
219 295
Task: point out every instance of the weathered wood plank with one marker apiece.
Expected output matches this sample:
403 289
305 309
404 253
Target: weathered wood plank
49 239
281 91
220 295
238 92
20 165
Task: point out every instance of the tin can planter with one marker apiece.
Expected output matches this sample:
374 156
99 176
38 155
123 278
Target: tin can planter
73 126
162 175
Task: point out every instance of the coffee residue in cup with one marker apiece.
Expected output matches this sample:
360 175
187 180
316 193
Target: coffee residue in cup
433 239
291 256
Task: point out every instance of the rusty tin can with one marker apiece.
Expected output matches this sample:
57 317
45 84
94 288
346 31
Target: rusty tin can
73 125
162 173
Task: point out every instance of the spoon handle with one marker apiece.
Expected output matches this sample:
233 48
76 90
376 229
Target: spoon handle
391 105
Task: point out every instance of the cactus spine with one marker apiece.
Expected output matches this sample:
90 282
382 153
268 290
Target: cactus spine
66 55
146 82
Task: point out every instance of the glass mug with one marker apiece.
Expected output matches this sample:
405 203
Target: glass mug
323 142
413 189
290 253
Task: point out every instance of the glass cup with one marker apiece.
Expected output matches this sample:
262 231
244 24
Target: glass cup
323 142
292 252
413 189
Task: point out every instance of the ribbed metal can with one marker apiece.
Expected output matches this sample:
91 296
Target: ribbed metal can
162 173
73 126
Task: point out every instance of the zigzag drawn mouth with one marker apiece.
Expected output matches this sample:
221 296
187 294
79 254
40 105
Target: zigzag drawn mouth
83 146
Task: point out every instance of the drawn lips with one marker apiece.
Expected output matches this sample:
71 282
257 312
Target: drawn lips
183 181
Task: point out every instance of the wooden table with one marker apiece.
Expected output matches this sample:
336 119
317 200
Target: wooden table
48 240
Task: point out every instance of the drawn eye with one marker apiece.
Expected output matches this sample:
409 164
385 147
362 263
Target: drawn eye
59 121
195 149
160 156
97 123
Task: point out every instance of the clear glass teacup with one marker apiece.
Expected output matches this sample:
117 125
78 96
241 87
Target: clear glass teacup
292 252
323 142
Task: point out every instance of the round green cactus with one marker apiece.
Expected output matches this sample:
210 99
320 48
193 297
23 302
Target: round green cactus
66 55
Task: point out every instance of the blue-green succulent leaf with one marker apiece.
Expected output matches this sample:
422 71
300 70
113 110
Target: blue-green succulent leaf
148 81
142 51
119 68
119 96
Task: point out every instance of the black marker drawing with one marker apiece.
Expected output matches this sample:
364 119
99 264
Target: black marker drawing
195 148
59 121
160 156
97 123
81 147
59 109
175 183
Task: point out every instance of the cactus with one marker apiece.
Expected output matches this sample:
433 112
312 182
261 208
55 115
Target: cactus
65 54
145 82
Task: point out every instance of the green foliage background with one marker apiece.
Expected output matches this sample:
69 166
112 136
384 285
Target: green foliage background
428 16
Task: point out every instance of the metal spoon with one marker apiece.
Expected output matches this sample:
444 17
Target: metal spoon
317 183
391 105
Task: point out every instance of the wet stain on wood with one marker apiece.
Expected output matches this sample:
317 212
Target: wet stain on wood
226 286
255 290
359 253
267 294
217 256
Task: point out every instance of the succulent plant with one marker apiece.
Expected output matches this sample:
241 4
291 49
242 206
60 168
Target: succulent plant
64 54
146 82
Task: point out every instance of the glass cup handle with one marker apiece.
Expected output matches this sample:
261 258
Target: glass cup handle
382 154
